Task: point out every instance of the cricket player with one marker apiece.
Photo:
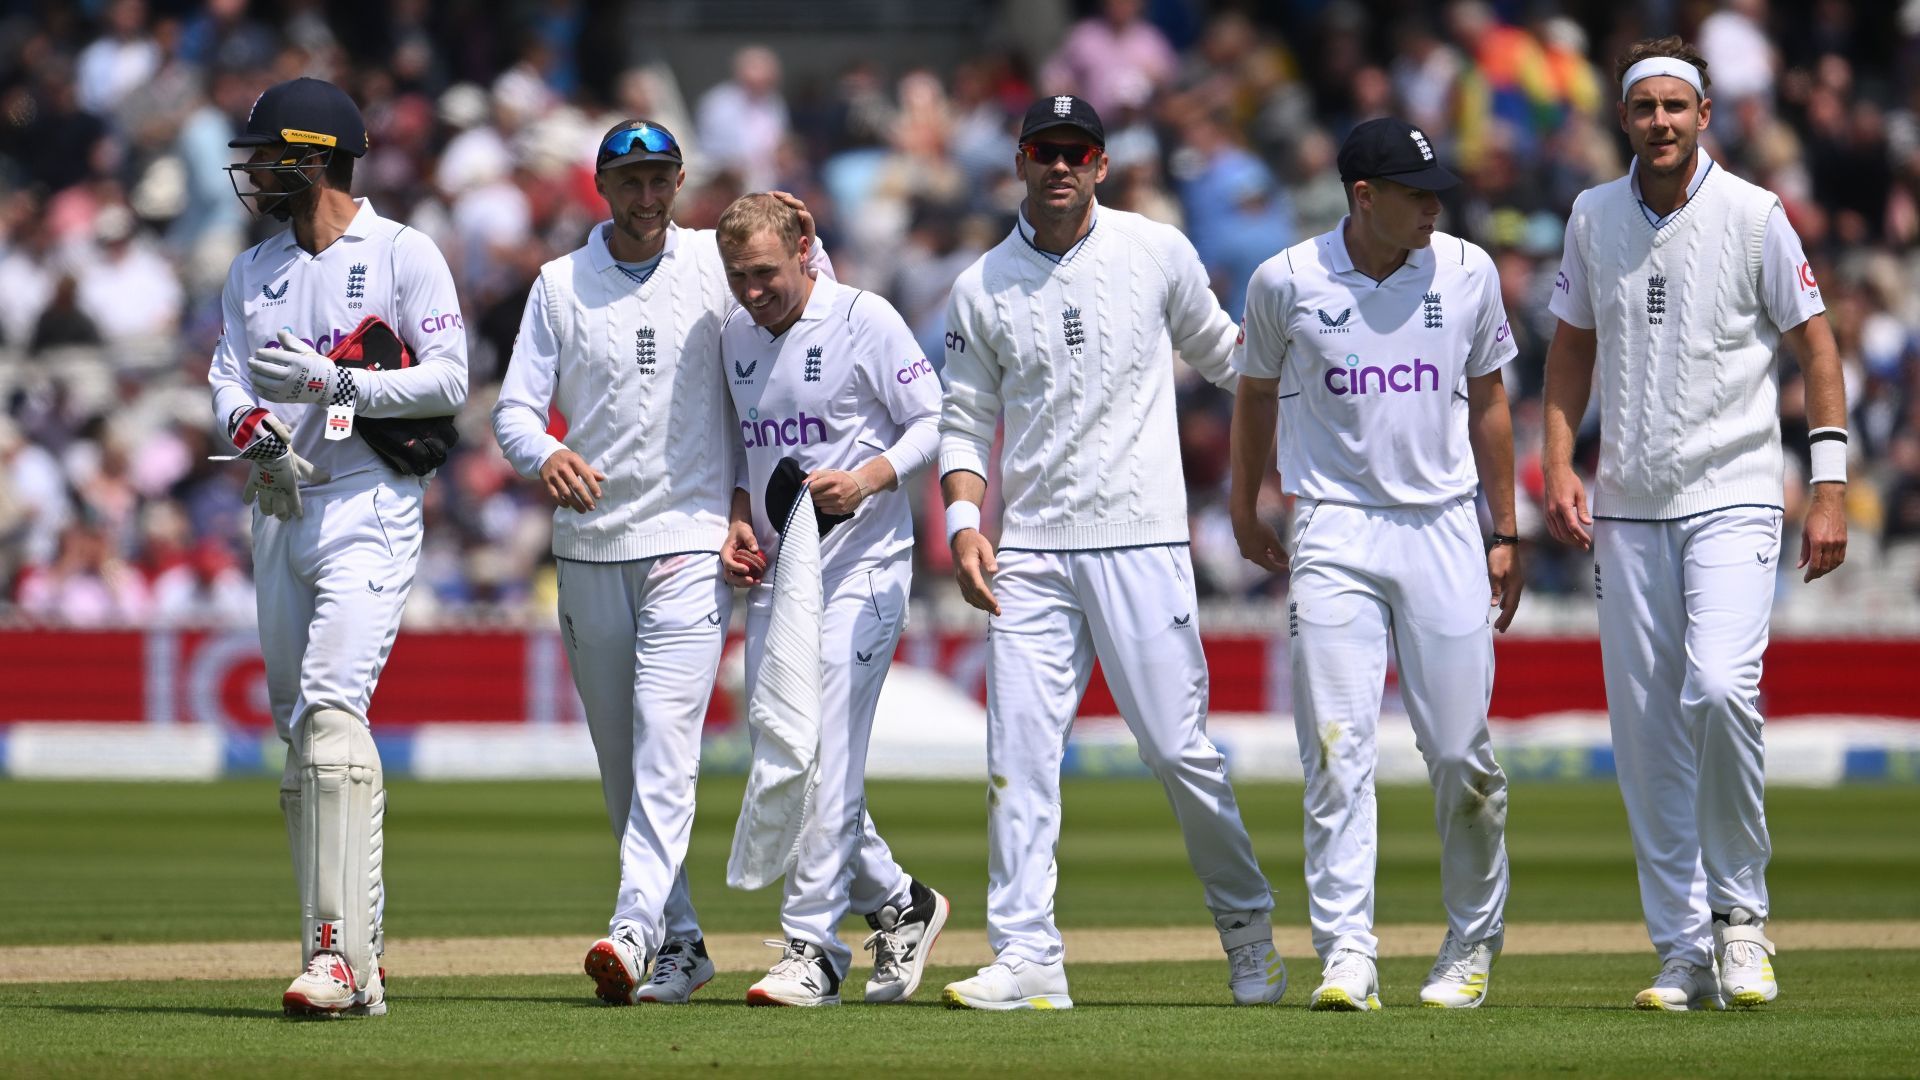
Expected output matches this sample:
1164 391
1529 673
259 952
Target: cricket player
830 377
1377 348
622 336
337 516
1678 282
1066 330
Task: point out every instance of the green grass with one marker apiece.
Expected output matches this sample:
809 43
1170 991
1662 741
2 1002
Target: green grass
1553 1015
158 862
93 862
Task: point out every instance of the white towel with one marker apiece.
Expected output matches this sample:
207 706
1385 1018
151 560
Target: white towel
784 713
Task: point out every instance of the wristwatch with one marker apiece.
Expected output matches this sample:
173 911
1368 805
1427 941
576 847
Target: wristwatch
1497 539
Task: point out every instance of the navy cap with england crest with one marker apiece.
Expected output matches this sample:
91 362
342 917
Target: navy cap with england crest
1392 149
1063 110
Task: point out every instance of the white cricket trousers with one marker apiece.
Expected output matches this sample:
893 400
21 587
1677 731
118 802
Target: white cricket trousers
644 639
1415 578
843 863
1683 623
330 586
1134 609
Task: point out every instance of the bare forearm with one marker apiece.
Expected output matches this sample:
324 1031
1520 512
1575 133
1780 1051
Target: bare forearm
962 485
742 509
1490 430
1570 361
878 475
1255 409
1813 345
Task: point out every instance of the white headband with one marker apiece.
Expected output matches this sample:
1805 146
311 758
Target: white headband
1662 65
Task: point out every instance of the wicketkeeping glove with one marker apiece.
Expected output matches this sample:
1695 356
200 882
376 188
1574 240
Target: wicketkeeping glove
278 472
292 373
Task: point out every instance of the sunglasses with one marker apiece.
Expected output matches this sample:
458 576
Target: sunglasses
1074 154
654 140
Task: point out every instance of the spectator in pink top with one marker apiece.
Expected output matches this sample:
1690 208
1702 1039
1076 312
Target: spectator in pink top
1106 54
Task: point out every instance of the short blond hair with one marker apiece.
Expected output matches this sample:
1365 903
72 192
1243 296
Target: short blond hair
1673 46
751 215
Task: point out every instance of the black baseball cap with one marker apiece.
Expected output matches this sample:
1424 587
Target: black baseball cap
1063 110
635 140
1392 149
304 112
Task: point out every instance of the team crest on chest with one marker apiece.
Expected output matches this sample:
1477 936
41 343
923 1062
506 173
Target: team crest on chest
357 281
1430 310
643 350
812 371
1076 334
1332 324
1656 299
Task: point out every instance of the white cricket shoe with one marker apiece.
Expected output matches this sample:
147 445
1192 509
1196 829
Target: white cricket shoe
1255 972
901 942
1746 960
1350 983
1681 986
328 990
615 963
1011 983
802 976
679 968
1460 973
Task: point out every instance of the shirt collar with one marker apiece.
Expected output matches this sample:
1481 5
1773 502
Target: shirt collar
1334 244
1702 165
600 257
1026 231
359 228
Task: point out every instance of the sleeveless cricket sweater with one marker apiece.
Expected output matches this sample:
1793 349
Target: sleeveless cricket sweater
1684 373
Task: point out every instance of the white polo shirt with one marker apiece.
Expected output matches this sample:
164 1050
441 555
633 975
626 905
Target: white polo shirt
377 267
843 384
1373 375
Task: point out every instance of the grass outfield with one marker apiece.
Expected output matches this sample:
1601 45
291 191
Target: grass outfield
101 862
1546 1015
166 862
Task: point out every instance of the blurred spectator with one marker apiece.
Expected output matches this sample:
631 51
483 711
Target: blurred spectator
86 585
1237 214
744 120
1105 57
119 62
126 288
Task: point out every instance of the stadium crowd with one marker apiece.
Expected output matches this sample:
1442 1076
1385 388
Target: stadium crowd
117 224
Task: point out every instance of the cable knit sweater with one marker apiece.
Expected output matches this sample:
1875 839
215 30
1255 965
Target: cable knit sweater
1077 355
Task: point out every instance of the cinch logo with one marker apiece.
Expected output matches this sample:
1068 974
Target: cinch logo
323 344
436 322
956 343
1354 379
913 371
799 430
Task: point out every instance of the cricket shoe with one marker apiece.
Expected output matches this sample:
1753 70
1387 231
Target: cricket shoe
327 990
1681 986
614 964
1255 972
1746 960
901 942
803 976
1350 983
679 968
1460 973
1011 983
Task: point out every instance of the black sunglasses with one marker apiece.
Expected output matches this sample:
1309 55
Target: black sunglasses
1046 153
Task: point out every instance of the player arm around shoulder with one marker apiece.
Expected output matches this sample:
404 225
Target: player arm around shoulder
1490 430
1823 542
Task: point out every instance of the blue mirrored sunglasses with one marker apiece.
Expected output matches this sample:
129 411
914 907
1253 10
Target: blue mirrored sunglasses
654 140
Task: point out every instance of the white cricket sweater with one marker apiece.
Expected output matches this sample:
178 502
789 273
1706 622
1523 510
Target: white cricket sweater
635 369
1078 355
1688 404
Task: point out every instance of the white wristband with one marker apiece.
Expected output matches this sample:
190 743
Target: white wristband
1827 447
961 515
